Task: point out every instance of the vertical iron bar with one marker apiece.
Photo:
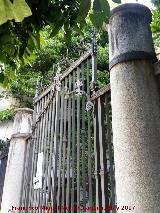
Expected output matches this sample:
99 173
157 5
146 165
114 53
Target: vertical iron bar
55 149
60 149
78 144
46 150
73 143
97 157
29 169
42 149
103 160
24 180
89 142
45 156
26 176
64 145
112 179
38 144
38 141
68 147
53 111
96 128
83 141
39 106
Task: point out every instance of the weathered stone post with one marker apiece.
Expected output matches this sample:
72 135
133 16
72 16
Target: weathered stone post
135 109
15 165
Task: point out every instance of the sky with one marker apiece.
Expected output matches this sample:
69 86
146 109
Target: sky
145 2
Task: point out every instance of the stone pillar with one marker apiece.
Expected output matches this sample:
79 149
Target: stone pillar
135 109
15 165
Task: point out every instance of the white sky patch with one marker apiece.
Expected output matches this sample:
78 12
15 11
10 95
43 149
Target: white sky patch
144 2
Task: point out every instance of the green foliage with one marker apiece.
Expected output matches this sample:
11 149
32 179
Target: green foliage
103 58
156 2
19 40
100 14
156 21
84 8
17 10
53 53
23 89
6 115
156 27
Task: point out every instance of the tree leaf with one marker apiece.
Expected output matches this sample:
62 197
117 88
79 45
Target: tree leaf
97 19
6 11
100 6
117 1
18 10
21 10
101 13
83 10
105 7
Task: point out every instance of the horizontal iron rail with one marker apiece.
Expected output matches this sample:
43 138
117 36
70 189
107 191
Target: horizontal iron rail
76 64
101 92
43 93
65 74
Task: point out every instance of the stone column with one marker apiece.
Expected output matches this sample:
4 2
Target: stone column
15 165
135 109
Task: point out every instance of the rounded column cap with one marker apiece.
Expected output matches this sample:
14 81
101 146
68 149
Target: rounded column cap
130 36
133 8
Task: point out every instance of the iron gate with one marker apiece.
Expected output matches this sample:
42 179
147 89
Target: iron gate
69 163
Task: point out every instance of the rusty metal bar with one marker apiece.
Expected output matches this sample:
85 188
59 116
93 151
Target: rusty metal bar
36 134
56 145
46 152
78 144
110 151
42 142
97 157
60 149
83 132
103 160
64 145
69 147
24 181
29 169
53 112
26 175
89 142
73 144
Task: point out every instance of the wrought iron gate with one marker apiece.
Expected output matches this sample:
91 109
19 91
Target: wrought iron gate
69 164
